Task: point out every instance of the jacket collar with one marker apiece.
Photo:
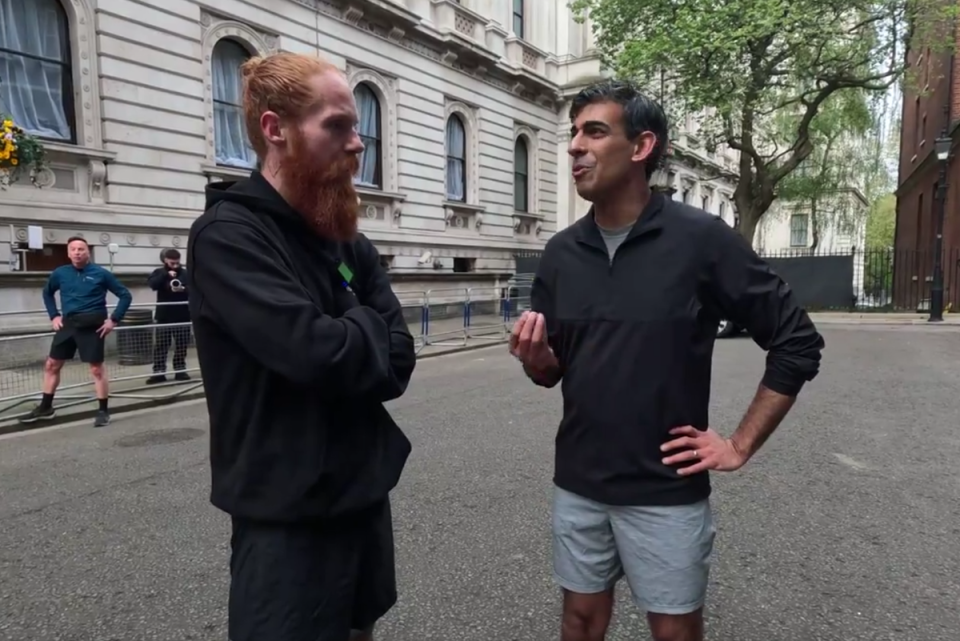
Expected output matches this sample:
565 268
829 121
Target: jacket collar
649 221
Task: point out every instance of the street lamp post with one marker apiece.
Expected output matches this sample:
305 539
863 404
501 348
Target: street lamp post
942 149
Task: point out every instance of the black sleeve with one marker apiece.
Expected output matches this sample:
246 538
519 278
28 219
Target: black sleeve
376 293
542 300
747 292
158 279
243 285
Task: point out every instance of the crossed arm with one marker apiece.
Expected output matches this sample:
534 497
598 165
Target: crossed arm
242 283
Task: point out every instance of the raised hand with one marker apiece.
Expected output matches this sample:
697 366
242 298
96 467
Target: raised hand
528 342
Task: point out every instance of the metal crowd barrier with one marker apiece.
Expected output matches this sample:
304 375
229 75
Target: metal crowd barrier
129 352
442 317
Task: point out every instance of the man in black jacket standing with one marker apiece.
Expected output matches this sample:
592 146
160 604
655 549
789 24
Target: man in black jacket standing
625 308
300 340
173 316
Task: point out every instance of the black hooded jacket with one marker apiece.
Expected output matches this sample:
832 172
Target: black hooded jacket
300 342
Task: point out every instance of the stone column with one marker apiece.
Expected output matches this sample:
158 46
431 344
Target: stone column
697 193
677 187
562 32
566 195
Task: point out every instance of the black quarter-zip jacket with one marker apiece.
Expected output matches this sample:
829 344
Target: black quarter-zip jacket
300 342
634 338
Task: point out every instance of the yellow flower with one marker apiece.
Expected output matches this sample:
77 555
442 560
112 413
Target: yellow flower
14 161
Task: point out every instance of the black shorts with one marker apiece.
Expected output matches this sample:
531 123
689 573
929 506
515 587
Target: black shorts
305 582
70 340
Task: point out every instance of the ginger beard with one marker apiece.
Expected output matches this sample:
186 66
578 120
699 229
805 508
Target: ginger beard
323 195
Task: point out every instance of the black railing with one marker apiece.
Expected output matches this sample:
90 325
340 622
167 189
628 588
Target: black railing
870 280
880 280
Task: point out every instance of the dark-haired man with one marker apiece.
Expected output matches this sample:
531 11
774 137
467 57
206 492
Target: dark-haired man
81 325
173 315
625 306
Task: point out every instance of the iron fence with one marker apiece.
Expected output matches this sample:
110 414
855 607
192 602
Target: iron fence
867 280
139 348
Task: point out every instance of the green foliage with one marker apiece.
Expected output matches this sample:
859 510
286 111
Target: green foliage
836 135
882 223
843 157
878 259
773 79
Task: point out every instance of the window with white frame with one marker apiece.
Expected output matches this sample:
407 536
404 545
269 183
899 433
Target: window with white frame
232 147
521 179
36 75
368 109
518 18
799 230
456 159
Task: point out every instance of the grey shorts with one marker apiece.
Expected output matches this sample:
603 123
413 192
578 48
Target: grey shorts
664 551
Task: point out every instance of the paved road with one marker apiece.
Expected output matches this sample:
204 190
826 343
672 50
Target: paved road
845 528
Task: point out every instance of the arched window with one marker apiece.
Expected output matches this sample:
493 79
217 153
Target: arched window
36 78
521 189
368 110
456 159
229 133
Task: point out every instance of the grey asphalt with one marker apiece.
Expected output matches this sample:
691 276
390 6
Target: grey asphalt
845 527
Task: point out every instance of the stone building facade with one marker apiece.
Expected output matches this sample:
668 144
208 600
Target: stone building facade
463 108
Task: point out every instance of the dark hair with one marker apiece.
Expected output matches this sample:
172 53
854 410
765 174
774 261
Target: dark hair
80 238
170 254
640 114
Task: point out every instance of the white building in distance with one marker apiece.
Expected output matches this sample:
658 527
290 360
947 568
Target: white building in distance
463 106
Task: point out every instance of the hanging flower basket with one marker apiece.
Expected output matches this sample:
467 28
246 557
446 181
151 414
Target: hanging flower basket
20 153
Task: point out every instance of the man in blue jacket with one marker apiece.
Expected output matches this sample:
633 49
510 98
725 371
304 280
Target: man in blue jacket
81 325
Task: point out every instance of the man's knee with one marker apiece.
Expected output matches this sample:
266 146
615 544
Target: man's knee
586 617
98 371
52 366
676 627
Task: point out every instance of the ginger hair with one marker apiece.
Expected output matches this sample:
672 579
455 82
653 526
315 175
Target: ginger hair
278 83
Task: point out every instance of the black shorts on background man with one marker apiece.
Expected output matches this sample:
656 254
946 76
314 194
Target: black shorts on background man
78 336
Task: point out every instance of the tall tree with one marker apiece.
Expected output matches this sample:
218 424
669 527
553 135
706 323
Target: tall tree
743 64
